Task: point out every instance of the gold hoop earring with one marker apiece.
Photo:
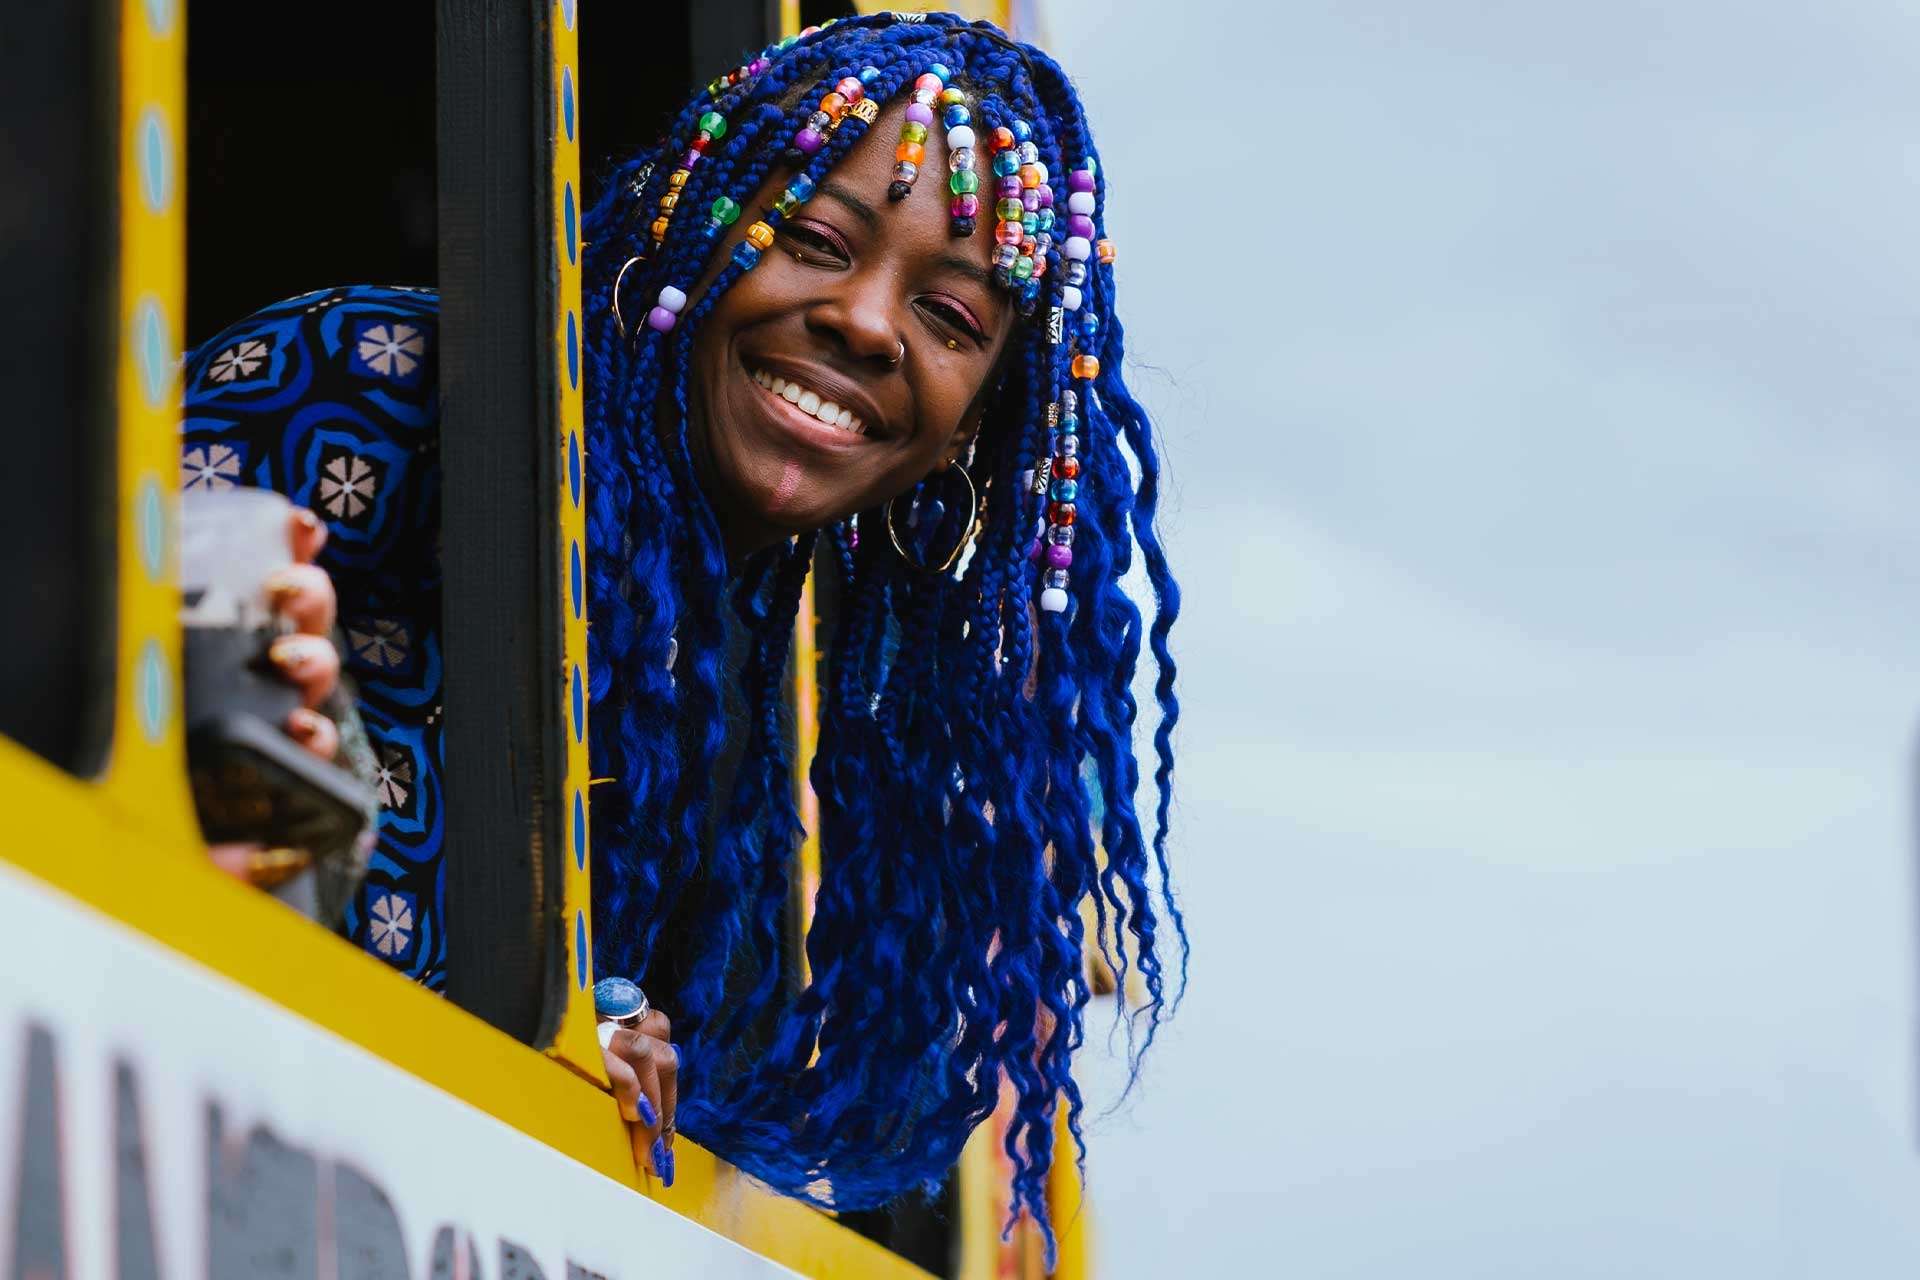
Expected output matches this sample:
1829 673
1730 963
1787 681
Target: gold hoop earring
973 528
618 323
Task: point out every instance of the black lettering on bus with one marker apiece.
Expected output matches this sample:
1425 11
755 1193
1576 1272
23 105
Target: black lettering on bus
517 1264
454 1257
132 1200
263 1211
367 1243
39 1202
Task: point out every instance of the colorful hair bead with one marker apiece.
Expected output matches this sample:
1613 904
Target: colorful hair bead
911 152
1063 471
712 127
963 183
723 213
847 93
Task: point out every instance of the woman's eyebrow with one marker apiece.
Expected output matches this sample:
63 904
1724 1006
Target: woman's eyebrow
966 267
852 203
870 219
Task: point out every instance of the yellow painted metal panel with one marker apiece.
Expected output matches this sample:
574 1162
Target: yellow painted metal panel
998 12
1067 1206
806 723
574 1039
146 772
63 835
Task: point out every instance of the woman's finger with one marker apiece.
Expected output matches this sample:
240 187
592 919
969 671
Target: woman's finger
303 594
314 731
234 859
309 662
657 1027
642 1053
668 1061
305 535
626 1086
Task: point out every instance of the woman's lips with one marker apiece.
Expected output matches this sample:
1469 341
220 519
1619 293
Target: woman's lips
820 407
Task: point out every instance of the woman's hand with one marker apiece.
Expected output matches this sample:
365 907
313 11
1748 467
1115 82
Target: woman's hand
644 1067
302 594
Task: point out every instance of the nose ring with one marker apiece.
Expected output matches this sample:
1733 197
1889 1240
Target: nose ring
898 356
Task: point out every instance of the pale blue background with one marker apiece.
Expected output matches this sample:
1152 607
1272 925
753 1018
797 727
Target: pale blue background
1540 384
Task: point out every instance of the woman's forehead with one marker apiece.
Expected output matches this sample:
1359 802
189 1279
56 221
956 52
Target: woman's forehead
859 184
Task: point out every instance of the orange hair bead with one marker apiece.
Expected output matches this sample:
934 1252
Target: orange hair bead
668 201
833 104
1086 366
677 179
1001 138
1105 250
760 236
910 153
660 228
1029 175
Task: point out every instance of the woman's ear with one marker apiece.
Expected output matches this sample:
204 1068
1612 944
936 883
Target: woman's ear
963 437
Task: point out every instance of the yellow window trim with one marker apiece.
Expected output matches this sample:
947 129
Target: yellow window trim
93 853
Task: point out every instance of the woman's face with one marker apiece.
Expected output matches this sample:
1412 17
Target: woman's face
875 316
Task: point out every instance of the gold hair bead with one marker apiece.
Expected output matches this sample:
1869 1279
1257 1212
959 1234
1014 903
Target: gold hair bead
867 110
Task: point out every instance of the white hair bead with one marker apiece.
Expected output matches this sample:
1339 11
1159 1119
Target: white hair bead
1077 248
1053 600
1080 202
673 300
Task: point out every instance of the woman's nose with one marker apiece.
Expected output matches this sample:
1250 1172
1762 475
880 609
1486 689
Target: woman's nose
864 319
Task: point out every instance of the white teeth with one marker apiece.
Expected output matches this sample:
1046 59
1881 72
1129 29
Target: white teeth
810 402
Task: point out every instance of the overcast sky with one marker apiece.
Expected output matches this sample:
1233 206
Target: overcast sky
1539 382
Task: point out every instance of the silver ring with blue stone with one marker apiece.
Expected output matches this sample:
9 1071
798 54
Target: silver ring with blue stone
620 1001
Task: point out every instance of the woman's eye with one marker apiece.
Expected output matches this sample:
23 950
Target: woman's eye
953 317
811 246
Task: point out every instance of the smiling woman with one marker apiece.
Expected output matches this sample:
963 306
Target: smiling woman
865 377
869 307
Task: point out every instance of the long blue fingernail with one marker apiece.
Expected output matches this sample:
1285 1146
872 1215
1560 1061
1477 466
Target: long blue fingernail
667 1178
647 1116
660 1160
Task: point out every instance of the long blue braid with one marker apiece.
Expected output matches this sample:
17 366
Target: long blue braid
966 738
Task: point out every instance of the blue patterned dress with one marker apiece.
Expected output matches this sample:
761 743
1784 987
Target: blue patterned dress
332 398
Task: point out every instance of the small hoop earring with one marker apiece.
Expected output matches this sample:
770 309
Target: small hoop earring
618 323
973 528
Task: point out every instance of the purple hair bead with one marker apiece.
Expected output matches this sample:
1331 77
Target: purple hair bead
690 159
1046 195
809 140
1059 555
920 113
1080 225
1009 188
1030 199
660 319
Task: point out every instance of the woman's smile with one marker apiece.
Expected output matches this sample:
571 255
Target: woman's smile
823 407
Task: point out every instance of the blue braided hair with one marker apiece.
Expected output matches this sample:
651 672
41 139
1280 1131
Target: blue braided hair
976 766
